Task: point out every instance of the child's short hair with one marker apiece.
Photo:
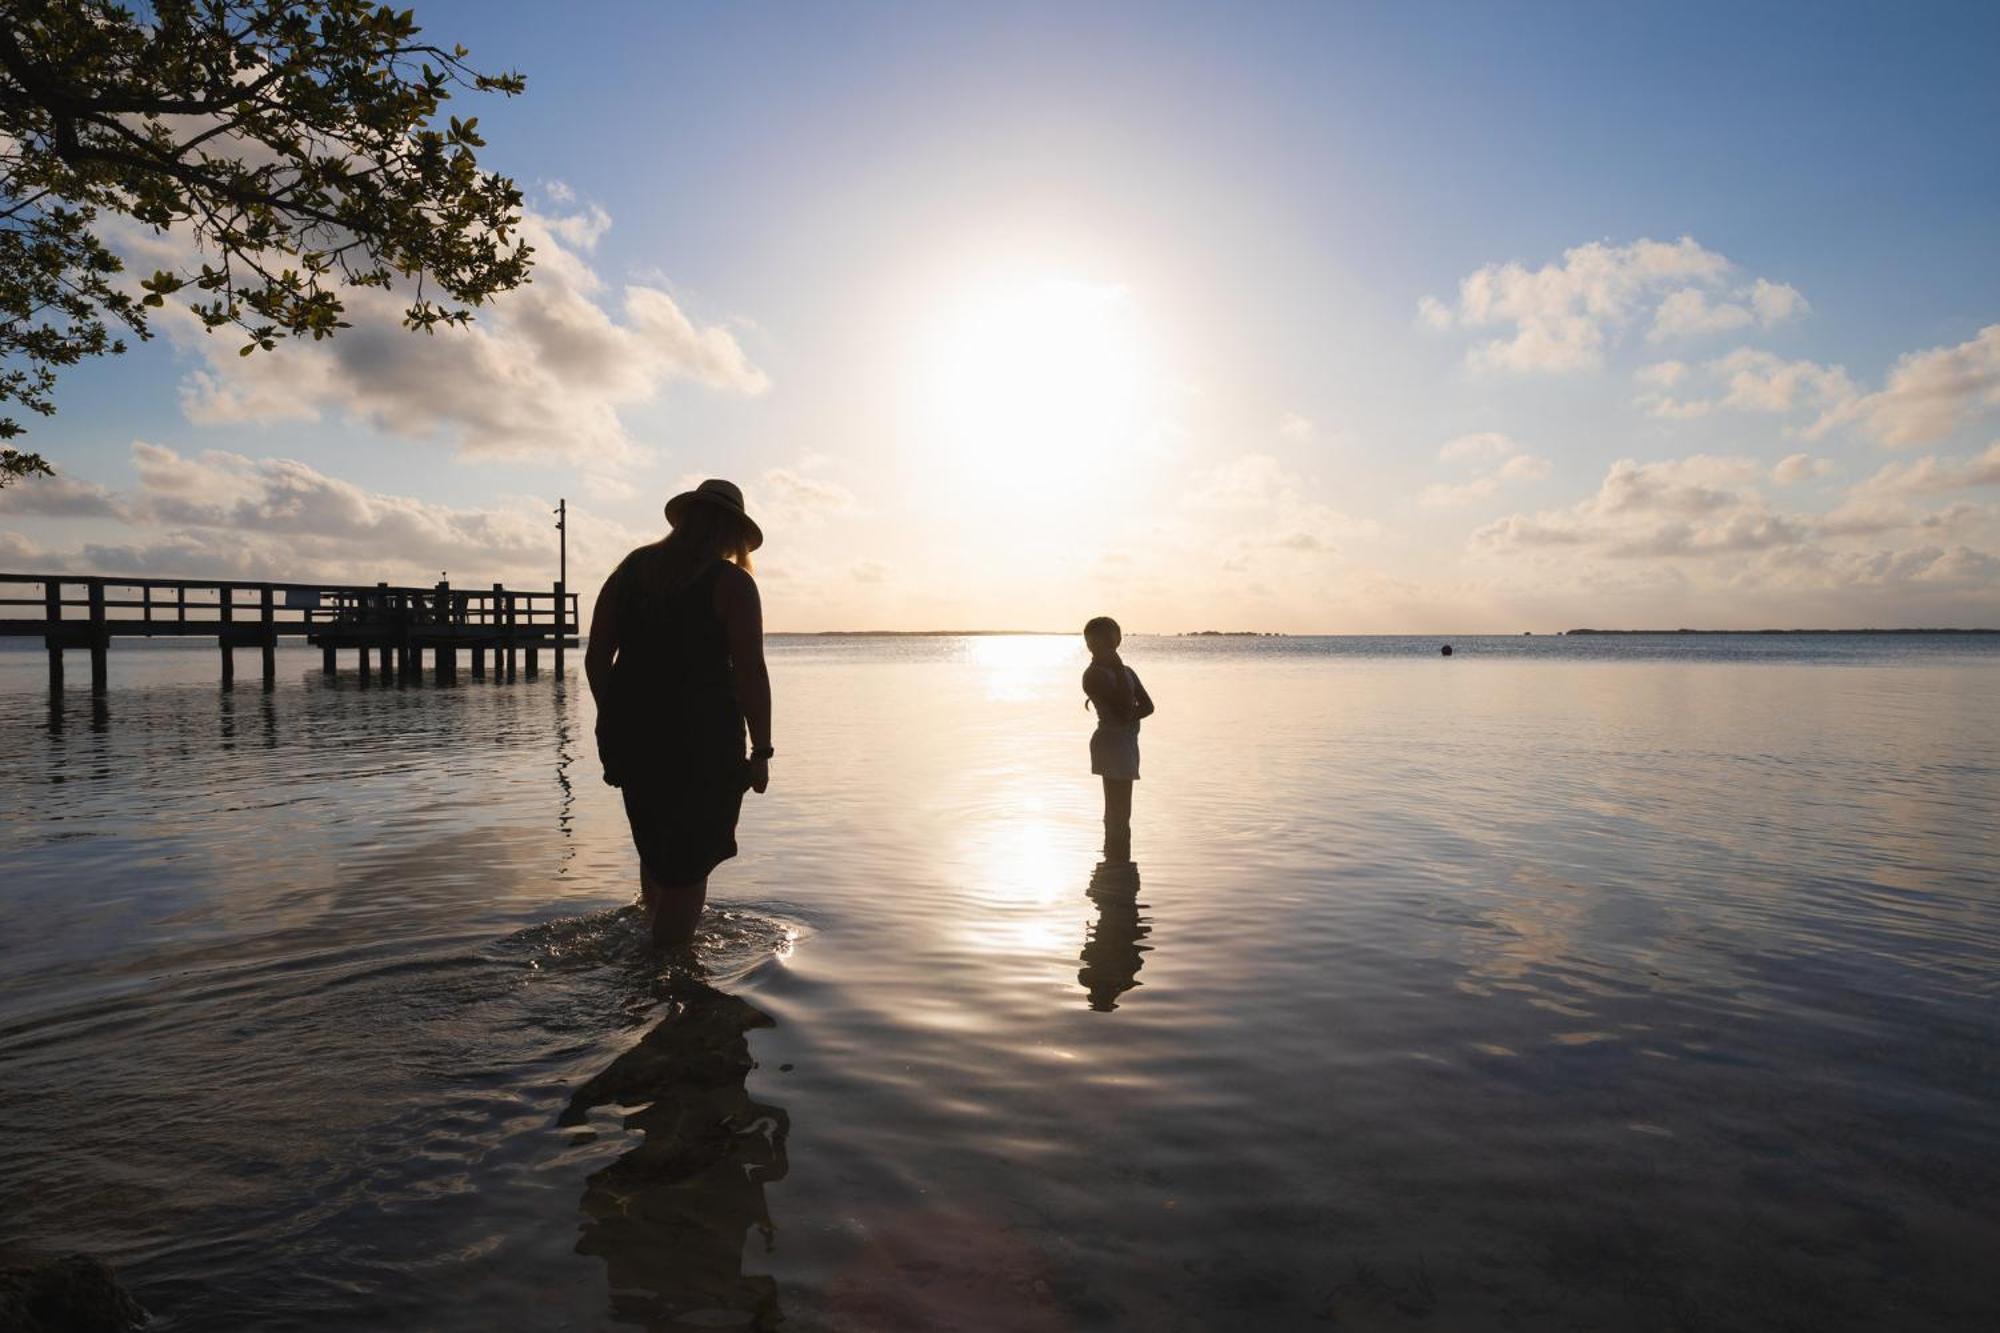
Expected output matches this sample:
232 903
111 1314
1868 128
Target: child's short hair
1098 628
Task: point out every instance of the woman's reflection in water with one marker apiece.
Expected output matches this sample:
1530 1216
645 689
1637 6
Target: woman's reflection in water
1112 953
669 1217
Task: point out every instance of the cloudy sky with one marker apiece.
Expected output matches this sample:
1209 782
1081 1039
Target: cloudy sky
1346 318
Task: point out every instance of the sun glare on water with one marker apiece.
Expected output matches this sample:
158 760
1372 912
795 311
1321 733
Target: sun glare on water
1029 386
1023 666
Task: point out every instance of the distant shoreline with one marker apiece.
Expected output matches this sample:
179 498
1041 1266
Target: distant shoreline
1571 632
991 633
1009 633
1272 634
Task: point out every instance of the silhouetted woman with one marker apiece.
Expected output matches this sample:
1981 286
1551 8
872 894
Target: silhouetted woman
676 664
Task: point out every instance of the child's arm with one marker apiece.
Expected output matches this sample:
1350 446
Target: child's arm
1114 703
1143 699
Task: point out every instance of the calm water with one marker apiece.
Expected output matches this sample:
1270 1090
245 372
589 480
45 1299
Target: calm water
1637 984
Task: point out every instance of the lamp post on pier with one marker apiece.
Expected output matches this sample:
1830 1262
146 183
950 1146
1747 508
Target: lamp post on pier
562 580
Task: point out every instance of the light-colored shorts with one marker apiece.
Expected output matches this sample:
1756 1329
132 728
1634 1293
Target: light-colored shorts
1114 752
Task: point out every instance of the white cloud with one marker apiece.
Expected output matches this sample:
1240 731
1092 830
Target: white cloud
579 231
1750 379
1692 312
708 355
792 497
543 370
1697 506
1689 313
1481 447
1760 381
1252 505
1869 513
1563 316
1867 518
1443 495
1926 568
1484 450
60 496
221 514
1932 475
1696 535
1929 394
1776 302
1250 481
1677 409
1294 427
1662 374
1795 468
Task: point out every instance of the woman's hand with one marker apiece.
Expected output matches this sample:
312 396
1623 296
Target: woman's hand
760 775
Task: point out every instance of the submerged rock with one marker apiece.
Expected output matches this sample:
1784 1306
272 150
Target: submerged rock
73 1294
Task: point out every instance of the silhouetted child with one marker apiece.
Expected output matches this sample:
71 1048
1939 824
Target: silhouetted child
1114 690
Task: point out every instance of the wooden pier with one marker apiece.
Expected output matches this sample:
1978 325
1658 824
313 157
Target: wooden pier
387 628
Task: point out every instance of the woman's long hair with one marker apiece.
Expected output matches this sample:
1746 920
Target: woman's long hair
706 532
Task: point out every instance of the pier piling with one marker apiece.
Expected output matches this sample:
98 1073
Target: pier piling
52 609
100 638
560 601
269 640
226 598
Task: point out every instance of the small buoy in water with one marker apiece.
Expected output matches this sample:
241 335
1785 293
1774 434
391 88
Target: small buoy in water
1446 650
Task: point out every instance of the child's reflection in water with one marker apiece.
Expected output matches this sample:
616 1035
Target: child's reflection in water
1112 953
669 1217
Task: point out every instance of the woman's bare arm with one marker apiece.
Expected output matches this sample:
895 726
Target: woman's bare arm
602 646
743 621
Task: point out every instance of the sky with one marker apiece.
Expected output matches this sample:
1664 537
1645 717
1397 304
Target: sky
1333 318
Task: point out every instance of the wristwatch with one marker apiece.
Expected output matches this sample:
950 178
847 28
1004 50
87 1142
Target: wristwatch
761 752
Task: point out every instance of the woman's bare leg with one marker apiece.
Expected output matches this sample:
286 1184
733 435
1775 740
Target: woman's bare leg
1117 819
675 909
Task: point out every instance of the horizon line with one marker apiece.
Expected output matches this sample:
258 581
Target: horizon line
1582 632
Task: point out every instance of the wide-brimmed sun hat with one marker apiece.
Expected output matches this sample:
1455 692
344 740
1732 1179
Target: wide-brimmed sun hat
715 491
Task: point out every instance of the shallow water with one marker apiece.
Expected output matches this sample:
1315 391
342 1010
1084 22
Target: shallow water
1635 983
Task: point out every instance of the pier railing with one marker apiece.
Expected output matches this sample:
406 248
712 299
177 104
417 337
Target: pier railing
381 619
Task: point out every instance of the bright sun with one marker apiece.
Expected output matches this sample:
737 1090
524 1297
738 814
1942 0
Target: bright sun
1030 382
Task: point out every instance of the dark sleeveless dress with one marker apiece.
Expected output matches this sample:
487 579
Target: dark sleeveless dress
670 732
